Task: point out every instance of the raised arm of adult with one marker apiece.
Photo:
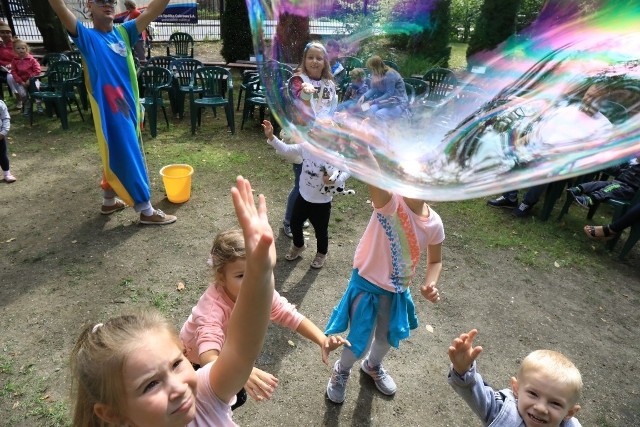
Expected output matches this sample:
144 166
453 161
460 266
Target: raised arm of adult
153 10
65 15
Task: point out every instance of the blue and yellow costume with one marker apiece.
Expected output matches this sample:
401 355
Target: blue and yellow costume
110 77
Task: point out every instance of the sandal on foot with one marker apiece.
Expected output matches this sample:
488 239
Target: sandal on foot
599 232
318 261
294 252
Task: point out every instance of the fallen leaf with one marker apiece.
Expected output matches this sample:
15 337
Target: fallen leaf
15 405
557 264
291 343
45 397
429 328
180 286
10 240
74 241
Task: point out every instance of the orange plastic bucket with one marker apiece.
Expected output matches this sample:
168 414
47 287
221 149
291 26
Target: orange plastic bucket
177 182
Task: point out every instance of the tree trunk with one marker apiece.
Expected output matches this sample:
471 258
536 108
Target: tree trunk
54 35
292 34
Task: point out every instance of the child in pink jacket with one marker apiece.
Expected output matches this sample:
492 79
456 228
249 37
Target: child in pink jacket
24 67
203 334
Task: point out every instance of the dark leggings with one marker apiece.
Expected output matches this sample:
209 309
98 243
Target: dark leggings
318 215
4 158
627 220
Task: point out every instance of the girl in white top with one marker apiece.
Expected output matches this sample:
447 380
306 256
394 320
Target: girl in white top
312 203
131 370
314 94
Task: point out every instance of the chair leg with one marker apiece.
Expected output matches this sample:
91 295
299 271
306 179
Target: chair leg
239 98
230 120
565 208
592 210
245 111
194 112
62 113
164 112
554 190
153 119
78 107
632 239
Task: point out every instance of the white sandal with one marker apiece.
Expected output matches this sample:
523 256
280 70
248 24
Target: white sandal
294 252
318 261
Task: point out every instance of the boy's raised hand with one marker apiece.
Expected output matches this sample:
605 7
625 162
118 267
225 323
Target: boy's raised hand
331 343
258 235
268 129
462 353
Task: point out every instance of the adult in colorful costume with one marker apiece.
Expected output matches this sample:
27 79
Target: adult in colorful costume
110 76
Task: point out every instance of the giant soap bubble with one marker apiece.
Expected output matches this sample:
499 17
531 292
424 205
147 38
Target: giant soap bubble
559 99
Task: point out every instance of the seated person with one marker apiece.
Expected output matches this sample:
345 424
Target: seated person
571 122
611 231
545 392
354 91
623 187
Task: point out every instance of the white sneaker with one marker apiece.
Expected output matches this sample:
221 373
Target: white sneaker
381 377
337 387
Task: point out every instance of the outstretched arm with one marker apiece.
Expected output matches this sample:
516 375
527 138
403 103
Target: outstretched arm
434 268
462 353
327 344
250 316
65 15
153 10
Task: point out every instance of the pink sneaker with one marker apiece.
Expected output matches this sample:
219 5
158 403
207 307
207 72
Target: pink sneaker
8 178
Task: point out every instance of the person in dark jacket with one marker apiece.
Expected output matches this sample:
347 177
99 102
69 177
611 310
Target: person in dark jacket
623 187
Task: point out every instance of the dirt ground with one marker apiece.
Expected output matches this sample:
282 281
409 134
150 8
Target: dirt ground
63 266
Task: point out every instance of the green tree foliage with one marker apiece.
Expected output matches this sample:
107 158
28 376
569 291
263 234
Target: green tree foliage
497 21
433 41
464 14
235 31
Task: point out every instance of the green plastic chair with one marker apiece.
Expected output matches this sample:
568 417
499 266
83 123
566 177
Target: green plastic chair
440 83
60 82
350 62
254 97
211 87
76 56
154 80
182 70
180 45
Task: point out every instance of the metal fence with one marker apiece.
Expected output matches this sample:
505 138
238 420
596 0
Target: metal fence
19 15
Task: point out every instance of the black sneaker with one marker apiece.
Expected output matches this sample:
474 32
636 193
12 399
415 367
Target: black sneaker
574 191
522 210
503 202
583 201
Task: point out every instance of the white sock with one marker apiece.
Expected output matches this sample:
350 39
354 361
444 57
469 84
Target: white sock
109 202
7 173
148 212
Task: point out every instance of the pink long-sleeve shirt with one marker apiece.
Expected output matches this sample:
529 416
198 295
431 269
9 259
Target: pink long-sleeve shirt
206 327
22 69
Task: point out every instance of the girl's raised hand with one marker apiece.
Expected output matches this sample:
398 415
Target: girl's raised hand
260 385
430 292
258 235
330 344
268 129
462 353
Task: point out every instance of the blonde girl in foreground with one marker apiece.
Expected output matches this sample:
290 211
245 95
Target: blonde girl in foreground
131 370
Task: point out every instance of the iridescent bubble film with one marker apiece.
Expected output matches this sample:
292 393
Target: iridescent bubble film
559 99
